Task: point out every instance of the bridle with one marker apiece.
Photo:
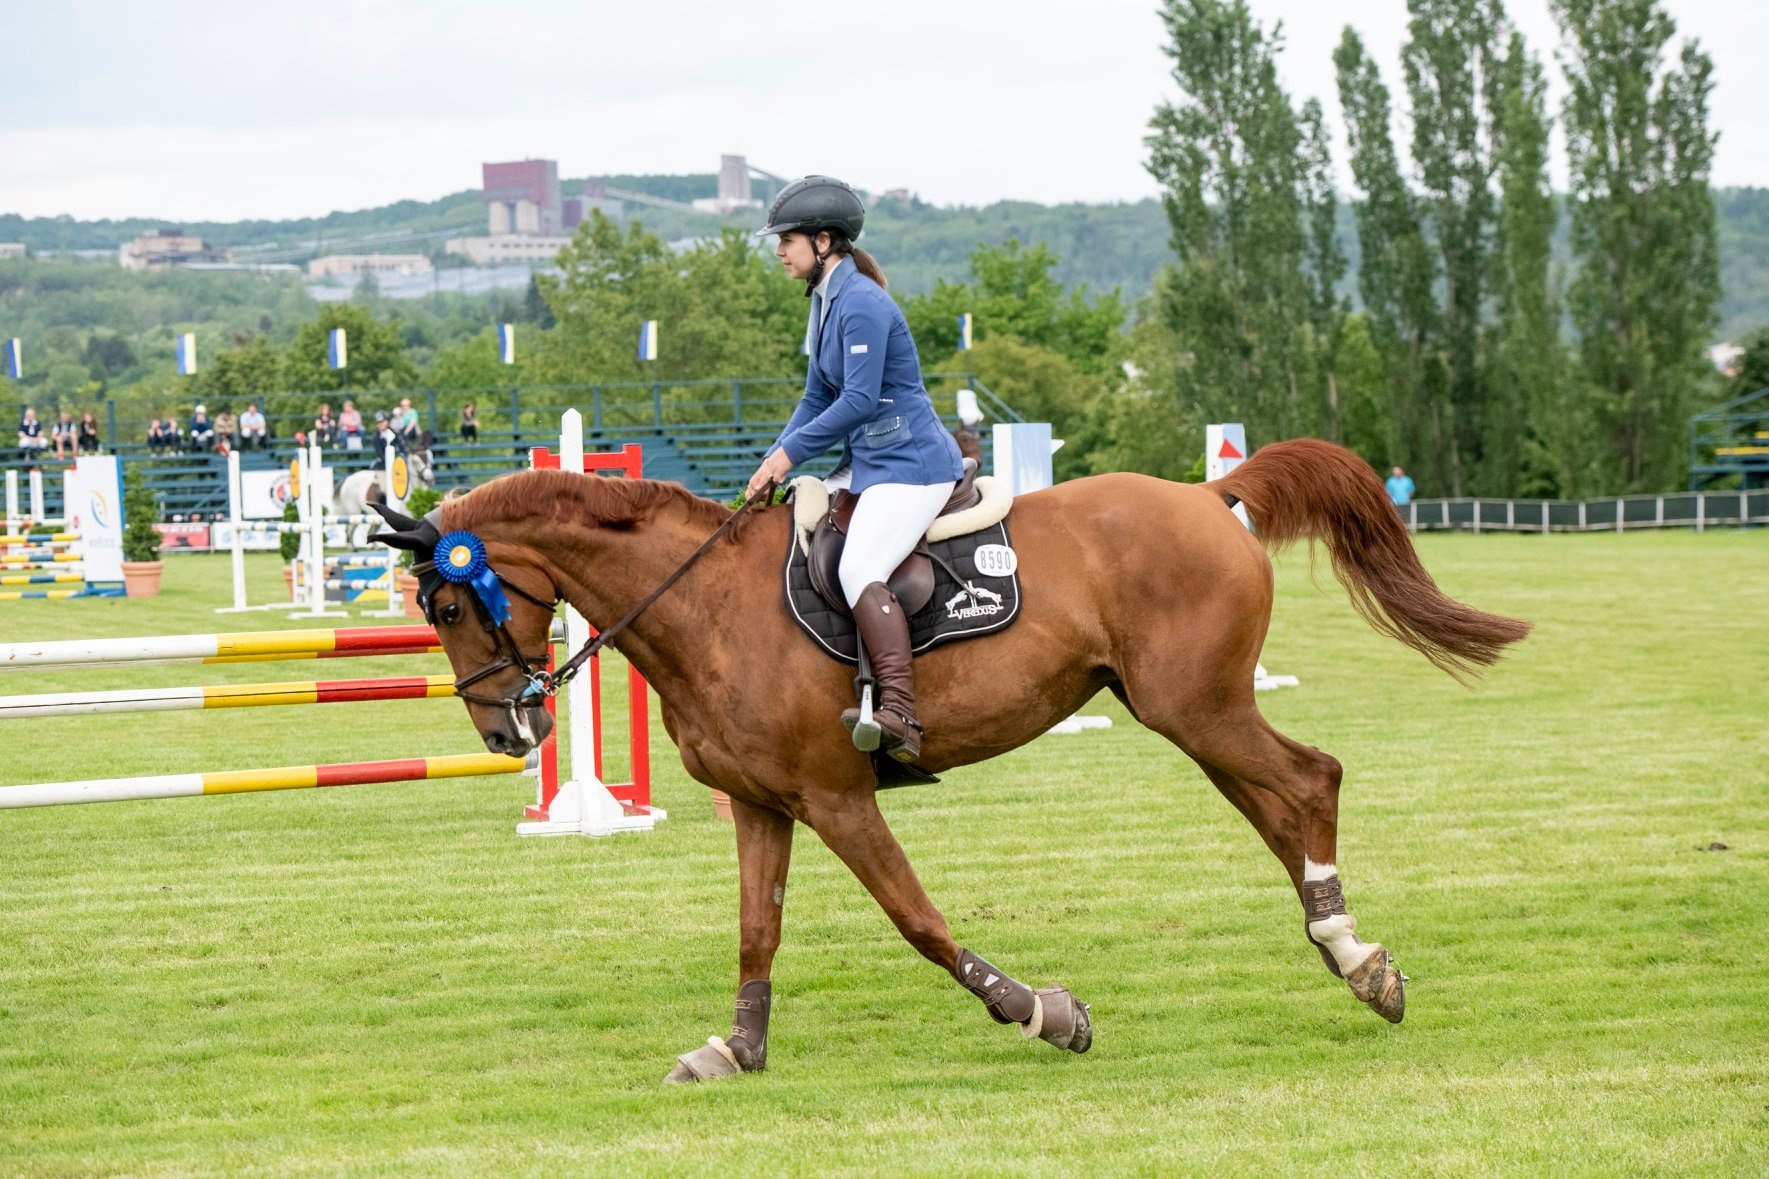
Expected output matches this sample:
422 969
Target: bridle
539 684
509 653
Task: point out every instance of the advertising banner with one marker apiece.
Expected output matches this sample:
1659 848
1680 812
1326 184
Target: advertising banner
94 507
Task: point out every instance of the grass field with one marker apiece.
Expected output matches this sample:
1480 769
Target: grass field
385 980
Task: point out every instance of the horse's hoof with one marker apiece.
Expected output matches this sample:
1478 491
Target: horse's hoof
1380 984
704 1064
1060 1019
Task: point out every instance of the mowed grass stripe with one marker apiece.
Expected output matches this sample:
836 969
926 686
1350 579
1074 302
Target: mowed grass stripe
385 980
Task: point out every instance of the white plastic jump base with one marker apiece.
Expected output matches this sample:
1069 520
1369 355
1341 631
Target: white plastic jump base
586 808
1265 681
1079 723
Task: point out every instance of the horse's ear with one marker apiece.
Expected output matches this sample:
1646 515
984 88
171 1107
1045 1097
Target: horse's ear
398 521
417 541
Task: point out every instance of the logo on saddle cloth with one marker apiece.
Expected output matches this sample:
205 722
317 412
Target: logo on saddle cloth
983 603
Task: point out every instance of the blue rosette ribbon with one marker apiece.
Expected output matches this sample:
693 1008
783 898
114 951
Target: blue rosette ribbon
460 558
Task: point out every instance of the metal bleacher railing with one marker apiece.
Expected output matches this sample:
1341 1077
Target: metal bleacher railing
705 434
1731 439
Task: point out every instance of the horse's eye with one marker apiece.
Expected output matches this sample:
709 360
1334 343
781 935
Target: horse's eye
450 614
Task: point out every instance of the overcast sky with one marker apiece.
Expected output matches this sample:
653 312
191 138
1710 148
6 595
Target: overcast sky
203 110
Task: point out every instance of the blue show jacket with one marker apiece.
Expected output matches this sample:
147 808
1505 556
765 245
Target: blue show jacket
864 390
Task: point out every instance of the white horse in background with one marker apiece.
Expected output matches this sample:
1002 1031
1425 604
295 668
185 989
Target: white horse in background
362 488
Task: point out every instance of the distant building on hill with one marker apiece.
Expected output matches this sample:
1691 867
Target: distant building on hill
734 191
1726 357
12 249
504 248
368 264
595 199
522 197
166 248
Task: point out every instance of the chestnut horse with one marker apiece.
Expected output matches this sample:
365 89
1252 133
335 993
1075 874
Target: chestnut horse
1153 590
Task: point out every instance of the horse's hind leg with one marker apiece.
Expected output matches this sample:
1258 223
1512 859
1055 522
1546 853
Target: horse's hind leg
1290 793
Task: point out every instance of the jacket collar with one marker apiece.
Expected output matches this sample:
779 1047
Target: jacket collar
837 278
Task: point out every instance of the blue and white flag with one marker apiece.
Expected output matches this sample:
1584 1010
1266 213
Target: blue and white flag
964 332
15 359
648 340
506 343
337 350
187 354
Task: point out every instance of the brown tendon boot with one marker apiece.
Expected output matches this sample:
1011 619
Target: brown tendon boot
884 628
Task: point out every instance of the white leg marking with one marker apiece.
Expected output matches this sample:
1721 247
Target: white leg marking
1338 934
1314 871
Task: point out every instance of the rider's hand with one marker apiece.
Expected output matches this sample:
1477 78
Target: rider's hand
772 472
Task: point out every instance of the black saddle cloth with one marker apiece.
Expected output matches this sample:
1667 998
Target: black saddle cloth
978 605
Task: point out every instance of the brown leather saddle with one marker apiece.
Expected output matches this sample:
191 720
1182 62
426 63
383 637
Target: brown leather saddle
913 580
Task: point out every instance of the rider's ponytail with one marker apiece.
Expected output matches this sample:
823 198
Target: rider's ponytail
863 262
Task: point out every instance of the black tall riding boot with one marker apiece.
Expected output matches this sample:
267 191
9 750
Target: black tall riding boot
884 628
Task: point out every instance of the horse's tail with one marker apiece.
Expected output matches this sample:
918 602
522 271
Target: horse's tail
1305 488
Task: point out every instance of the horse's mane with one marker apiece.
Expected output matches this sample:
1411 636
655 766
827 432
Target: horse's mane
560 495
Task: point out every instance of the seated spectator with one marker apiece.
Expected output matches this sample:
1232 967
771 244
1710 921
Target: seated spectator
156 436
227 429
202 430
88 433
470 422
66 436
174 436
407 421
325 426
253 429
31 442
350 425
386 434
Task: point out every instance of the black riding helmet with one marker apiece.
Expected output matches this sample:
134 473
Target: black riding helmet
814 203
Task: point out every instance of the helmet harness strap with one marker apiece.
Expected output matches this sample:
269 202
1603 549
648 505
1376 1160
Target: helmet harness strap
821 256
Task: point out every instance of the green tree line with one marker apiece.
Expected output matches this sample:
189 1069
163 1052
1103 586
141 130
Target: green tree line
1474 358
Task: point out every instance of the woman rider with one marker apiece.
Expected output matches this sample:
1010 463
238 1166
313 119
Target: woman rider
864 391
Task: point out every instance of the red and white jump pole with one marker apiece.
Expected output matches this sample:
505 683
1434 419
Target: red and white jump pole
585 804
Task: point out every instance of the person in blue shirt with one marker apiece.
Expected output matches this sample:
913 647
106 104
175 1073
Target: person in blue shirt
863 391
1400 488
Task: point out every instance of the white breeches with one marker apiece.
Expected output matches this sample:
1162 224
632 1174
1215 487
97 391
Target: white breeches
889 521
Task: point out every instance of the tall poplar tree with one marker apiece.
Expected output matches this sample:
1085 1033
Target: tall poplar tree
1227 157
1327 308
1451 62
1536 429
1396 271
1643 230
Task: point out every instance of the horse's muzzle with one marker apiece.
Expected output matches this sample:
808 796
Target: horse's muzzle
518 730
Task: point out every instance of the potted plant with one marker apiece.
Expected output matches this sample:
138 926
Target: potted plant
289 545
421 501
141 540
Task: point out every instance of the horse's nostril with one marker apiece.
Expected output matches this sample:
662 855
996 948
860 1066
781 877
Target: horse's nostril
496 743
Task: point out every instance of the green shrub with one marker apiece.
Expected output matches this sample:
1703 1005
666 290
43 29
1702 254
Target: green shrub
141 511
289 543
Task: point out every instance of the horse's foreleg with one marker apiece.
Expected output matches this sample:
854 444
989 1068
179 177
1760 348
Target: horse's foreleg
854 830
764 852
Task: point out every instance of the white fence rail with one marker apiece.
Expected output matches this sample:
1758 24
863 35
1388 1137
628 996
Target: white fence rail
1683 509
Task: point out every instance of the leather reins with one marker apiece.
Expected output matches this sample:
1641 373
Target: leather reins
541 683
